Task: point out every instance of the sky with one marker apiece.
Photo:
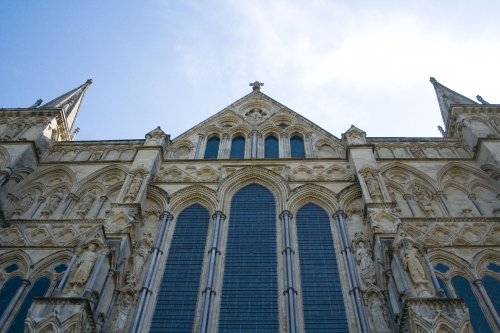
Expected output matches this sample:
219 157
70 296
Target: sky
175 63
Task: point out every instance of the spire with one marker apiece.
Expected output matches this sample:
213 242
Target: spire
70 102
447 97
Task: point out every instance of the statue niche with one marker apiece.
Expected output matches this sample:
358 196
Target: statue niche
83 268
139 257
52 203
365 263
423 198
134 187
411 263
86 203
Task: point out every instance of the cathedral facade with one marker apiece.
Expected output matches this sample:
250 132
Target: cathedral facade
255 220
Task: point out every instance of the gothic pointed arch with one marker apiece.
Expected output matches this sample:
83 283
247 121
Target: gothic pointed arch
458 171
245 176
191 195
401 173
312 193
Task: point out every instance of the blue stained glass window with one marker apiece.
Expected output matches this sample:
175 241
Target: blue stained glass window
8 291
441 268
176 302
463 290
271 147
212 149
39 289
492 287
249 299
11 268
493 267
443 286
60 268
297 147
238 147
321 288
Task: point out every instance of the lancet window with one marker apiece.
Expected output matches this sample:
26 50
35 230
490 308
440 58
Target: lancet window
212 148
297 149
271 147
176 302
237 147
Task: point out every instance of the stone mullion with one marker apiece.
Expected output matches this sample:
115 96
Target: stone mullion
70 199
255 145
407 198
214 253
63 281
91 291
290 290
486 298
13 302
351 272
39 202
402 277
442 199
198 147
439 290
146 290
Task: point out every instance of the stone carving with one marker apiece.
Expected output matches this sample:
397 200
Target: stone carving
365 262
423 197
86 203
411 263
354 136
84 266
373 185
96 155
417 151
134 187
24 203
14 129
256 114
125 302
376 308
52 203
139 257
156 137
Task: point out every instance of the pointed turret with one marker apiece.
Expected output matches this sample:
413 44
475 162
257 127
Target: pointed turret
447 97
70 102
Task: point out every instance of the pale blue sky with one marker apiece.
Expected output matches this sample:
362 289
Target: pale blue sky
175 63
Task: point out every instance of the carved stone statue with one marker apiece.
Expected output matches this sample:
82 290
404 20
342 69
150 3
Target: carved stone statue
365 262
423 198
124 305
52 203
84 266
134 188
139 257
377 313
373 186
412 264
86 203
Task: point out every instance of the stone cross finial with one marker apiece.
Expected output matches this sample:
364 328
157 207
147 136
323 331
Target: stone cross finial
256 85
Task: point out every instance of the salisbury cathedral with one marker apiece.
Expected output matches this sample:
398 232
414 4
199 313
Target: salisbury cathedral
254 220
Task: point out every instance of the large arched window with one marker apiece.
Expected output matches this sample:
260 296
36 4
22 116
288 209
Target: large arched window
212 148
321 288
463 290
39 289
238 147
8 291
492 287
271 147
249 299
176 303
297 149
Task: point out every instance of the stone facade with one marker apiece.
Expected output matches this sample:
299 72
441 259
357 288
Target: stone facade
86 227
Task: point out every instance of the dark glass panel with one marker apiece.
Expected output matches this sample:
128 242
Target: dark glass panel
463 290
493 267
441 268
39 289
249 300
11 268
443 286
321 288
271 147
238 147
176 302
212 149
297 147
492 287
8 291
60 268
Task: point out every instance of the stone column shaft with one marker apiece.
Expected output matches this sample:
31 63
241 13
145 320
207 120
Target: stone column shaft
401 274
13 302
145 291
290 291
102 200
352 272
63 281
208 291
69 201
255 142
486 298
435 282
